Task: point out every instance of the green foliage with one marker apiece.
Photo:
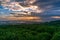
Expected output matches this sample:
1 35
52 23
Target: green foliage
56 36
43 36
43 31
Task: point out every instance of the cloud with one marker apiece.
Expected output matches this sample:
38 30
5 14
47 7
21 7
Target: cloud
45 8
31 18
56 17
27 8
45 3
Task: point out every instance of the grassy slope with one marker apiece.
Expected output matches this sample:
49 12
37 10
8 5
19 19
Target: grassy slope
43 31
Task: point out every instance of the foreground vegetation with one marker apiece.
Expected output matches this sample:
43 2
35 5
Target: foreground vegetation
42 31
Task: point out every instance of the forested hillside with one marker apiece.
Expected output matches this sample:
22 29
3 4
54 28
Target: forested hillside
42 31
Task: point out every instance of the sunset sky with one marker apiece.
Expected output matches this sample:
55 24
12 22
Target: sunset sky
37 10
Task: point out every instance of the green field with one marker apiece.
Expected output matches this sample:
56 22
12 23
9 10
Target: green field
42 31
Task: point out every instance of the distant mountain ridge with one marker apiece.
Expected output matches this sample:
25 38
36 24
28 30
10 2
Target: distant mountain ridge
27 22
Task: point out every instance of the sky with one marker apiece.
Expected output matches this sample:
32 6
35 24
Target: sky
37 10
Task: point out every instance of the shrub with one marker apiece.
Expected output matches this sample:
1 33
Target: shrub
43 36
56 36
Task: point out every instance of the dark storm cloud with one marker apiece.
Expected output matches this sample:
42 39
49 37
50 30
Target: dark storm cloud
50 8
18 0
46 4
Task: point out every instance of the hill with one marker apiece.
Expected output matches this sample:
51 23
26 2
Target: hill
42 31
